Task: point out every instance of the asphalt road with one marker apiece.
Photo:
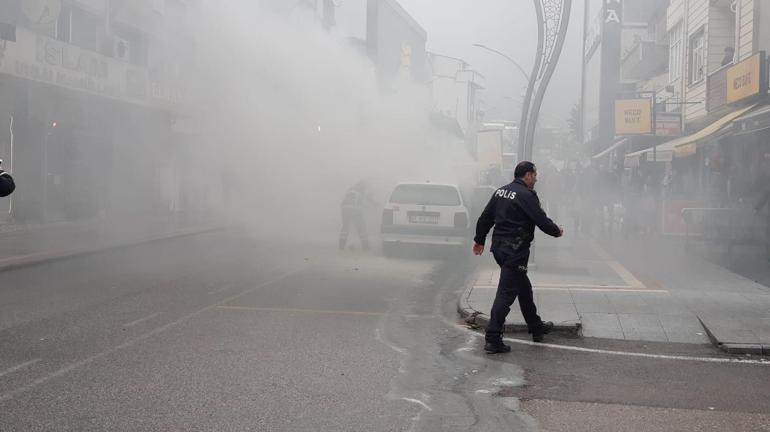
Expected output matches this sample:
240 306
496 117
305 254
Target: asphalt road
223 332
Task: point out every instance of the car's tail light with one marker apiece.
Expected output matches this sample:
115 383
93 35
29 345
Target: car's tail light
387 217
461 220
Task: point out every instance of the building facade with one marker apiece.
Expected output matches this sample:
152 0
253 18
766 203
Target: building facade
89 93
691 116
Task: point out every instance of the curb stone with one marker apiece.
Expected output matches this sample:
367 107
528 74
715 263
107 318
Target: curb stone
735 348
478 319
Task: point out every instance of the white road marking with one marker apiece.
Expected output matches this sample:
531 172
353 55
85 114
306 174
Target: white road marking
642 355
72 366
418 402
18 367
583 288
621 353
378 336
308 311
141 320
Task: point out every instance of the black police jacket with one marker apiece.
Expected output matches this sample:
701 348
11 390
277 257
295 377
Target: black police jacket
7 185
514 210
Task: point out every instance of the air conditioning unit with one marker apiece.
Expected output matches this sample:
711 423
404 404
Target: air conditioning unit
121 49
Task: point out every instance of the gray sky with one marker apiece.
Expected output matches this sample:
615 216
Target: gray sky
510 26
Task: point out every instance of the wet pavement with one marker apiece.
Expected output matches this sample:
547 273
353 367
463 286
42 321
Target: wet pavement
641 291
223 331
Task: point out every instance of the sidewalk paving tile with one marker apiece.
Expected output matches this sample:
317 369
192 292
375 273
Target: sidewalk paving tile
589 297
680 323
628 303
598 307
649 336
601 324
640 323
690 338
554 296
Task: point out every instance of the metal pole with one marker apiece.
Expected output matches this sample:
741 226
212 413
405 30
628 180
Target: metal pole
549 66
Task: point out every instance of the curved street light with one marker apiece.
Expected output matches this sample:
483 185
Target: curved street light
505 56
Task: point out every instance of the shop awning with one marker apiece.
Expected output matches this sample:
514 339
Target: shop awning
756 120
684 146
610 148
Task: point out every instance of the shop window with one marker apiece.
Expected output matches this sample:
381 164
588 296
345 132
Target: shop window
697 58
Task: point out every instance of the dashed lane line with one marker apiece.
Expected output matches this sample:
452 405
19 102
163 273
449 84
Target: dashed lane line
78 364
319 311
18 367
141 320
586 288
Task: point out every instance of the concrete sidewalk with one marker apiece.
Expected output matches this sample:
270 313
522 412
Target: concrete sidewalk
641 290
25 245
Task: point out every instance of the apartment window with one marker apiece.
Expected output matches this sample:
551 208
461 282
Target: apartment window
64 25
675 54
697 63
78 27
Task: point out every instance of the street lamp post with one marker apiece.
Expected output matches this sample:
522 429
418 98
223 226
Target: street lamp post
553 21
505 56
525 103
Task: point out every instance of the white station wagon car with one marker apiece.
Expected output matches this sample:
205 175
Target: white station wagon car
425 213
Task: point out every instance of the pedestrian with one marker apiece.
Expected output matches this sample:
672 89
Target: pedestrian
7 185
353 214
514 210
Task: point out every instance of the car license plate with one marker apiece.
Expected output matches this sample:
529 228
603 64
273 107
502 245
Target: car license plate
424 219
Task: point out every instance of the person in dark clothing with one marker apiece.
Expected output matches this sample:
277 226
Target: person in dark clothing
729 56
7 185
353 214
514 211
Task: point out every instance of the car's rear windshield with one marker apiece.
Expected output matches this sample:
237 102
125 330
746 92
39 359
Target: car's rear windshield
426 195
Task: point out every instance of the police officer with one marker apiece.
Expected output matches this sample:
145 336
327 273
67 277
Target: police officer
7 185
353 214
514 210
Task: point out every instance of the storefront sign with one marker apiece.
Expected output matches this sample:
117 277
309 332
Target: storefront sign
42 59
613 10
633 116
747 79
668 124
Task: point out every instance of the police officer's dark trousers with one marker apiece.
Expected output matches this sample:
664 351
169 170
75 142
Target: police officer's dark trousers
514 283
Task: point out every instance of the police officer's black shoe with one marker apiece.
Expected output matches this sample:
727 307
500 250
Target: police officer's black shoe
496 348
543 329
